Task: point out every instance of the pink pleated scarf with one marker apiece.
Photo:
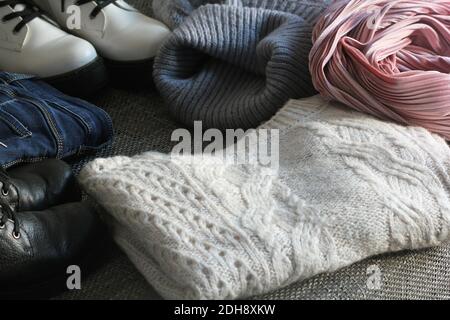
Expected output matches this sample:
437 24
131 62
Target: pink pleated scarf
387 58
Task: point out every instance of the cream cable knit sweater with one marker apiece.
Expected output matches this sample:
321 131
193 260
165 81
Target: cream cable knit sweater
349 186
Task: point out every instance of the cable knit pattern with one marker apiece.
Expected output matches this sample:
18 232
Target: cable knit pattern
349 186
235 66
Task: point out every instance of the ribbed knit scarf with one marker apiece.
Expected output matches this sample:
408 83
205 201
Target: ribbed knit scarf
174 12
387 58
234 64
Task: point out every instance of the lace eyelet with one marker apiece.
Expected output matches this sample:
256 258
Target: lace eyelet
5 193
2 225
16 235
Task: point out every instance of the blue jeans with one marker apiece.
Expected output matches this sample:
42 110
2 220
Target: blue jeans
38 122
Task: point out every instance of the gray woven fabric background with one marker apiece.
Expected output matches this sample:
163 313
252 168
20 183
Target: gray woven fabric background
143 123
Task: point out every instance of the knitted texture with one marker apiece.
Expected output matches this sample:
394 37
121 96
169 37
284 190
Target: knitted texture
173 12
233 66
349 186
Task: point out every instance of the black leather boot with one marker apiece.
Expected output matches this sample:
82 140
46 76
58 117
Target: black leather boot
37 247
38 186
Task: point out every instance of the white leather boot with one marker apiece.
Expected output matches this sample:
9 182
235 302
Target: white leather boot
30 43
127 39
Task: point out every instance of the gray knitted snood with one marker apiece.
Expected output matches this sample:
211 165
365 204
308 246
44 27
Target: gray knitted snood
234 66
349 186
173 12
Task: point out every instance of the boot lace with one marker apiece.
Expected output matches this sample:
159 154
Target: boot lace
29 12
9 214
6 212
6 182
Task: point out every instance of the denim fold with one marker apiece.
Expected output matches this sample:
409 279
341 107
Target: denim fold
39 122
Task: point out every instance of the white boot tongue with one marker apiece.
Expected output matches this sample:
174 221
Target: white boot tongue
124 5
19 7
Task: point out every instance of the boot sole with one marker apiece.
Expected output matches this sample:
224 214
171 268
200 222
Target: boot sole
130 74
82 82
